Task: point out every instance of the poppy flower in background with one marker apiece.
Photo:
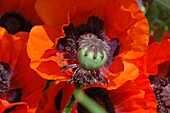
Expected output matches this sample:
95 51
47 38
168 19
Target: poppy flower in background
155 66
119 26
18 15
127 98
20 86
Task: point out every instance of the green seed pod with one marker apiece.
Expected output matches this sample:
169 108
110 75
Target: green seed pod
92 52
89 61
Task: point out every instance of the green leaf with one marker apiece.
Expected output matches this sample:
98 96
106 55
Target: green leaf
168 24
156 23
151 32
72 101
164 3
158 14
159 34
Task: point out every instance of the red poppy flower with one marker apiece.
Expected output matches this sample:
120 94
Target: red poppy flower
154 66
157 53
118 24
20 86
18 15
127 98
143 83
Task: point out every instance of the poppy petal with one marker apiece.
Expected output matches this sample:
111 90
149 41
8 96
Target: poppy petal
129 99
152 58
58 11
130 72
117 19
20 107
28 80
41 38
144 84
140 36
82 10
41 41
11 46
51 94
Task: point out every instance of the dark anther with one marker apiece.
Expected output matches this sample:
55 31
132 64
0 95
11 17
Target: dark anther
95 21
161 87
114 50
14 95
5 75
10 109
101 97
94 26
58 100
14 22
168 74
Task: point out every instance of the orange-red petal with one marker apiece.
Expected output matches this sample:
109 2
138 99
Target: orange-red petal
41 49
53 12
117 19
130 72
49 105
21 107
144 84
157 53
41 38
11 47
128 98
13 52
28 80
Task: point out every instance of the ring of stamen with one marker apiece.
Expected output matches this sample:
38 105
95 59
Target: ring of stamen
85 50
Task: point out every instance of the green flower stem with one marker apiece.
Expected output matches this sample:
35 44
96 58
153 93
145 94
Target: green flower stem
86 101
72 100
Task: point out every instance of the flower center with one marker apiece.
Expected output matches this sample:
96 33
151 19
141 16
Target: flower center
101 97
92 52
161 87
12 95
14 22
5 74
86 50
